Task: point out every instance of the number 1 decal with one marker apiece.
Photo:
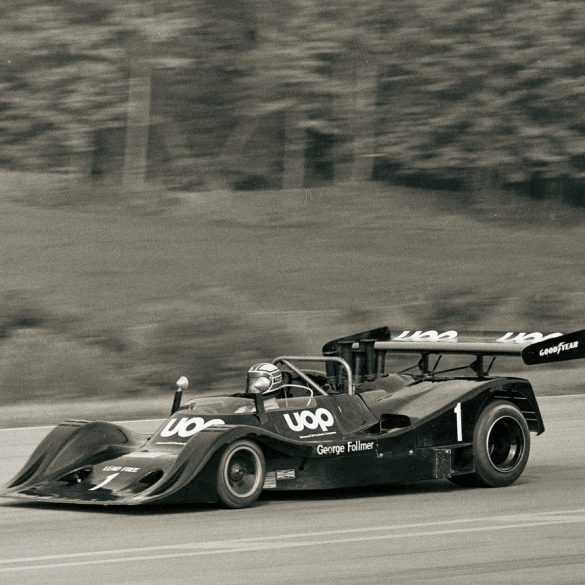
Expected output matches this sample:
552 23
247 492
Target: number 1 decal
105 482
457 411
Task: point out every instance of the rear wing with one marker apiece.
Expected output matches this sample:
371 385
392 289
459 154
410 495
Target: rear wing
365 352
489 343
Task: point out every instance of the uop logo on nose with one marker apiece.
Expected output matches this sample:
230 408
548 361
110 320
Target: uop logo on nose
310 420
187 427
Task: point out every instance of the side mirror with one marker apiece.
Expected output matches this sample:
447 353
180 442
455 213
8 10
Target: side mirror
182 384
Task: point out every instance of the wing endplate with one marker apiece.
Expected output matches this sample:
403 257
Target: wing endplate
562 348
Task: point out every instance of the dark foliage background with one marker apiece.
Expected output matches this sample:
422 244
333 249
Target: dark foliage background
464 95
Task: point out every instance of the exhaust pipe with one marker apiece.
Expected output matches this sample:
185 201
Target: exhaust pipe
359 358
332 370
380 362
345 352
367 347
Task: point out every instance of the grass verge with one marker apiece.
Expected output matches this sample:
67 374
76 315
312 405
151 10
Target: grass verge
102 300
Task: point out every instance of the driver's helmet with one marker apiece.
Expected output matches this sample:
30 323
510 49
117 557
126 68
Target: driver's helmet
263 377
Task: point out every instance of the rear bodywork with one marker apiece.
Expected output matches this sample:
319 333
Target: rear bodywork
363 427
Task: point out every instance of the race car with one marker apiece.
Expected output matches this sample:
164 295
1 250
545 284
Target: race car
337 420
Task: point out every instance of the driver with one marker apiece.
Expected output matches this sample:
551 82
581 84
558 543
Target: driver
263 378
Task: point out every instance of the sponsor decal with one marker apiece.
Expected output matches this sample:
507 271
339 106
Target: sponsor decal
345 448
187 427
273 476
452 335
321 420
116 469
431 335
270 480
559 348
513 337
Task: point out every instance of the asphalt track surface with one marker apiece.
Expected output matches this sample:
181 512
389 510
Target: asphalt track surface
530 533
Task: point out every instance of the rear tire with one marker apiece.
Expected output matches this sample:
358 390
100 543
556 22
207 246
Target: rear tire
501 446
240 474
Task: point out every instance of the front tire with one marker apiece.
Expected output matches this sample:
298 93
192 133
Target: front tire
240 474
501 446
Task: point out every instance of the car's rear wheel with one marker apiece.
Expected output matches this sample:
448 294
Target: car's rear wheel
501 446
240 474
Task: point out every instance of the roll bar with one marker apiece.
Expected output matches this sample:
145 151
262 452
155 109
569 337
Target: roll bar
286 361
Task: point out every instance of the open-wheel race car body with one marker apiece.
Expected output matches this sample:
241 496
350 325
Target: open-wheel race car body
334 421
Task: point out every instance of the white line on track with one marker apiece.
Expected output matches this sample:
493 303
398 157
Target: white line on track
345 536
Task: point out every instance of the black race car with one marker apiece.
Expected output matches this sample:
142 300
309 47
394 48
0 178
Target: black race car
297 427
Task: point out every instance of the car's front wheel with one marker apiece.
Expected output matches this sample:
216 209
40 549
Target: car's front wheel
240 474
501 445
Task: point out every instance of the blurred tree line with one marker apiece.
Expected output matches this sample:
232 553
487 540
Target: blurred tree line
465 95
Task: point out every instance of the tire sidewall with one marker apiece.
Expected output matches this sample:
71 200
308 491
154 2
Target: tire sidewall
485 470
